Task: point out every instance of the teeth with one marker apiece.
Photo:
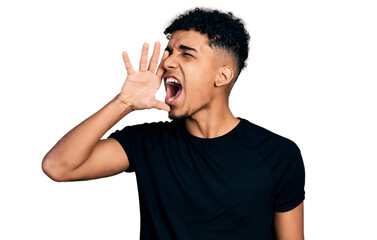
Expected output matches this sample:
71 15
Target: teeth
172 80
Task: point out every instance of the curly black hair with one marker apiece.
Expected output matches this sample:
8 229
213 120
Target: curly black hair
223 30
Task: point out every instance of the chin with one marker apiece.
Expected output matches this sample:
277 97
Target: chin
173 116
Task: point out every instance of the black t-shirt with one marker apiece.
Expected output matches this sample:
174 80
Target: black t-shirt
226 187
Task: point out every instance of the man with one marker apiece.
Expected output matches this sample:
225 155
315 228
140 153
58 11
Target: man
206 174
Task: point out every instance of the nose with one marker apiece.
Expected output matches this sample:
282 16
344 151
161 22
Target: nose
170 62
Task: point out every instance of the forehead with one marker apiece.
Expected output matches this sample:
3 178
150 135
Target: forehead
191 38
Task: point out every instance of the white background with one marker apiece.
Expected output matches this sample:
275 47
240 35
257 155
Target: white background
311 78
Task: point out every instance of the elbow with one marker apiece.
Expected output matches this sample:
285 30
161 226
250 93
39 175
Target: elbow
51 169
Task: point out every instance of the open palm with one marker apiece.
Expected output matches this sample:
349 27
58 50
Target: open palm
140 87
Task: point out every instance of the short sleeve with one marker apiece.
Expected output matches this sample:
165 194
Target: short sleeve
124 137
138 141
288 172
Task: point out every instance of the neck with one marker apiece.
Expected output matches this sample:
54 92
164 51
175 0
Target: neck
211 122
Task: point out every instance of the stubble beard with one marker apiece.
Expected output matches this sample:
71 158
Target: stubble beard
178 117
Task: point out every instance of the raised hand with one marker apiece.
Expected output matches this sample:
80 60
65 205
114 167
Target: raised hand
139 89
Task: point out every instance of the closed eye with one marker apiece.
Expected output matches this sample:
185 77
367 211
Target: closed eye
187 54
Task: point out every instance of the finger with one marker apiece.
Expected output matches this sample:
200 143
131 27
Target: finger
127 63
161 69
160 105
154 59
144 58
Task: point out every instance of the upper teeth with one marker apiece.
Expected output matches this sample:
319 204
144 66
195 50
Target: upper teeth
172 80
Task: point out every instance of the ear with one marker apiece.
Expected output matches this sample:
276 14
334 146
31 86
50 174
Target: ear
224 76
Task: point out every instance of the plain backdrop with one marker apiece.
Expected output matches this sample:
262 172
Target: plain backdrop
311 77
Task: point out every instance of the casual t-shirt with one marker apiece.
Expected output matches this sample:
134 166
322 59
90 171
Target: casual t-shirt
226 187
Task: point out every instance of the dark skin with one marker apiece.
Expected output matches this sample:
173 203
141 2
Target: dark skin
206 75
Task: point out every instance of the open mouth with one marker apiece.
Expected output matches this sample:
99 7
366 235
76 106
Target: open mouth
173 89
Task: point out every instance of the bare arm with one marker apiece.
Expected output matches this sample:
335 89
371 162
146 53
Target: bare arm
81 154
290 225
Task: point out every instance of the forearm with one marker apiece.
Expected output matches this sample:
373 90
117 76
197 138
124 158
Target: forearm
76 146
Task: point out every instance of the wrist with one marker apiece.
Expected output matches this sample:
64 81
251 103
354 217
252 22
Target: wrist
123 103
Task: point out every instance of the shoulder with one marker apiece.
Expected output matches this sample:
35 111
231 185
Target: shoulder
281 155
267 141
142 135
260 134
149 126
147 130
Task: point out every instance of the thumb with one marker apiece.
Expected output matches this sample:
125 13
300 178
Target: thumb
160 105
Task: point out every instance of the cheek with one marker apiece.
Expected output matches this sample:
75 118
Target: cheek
199 82
199 91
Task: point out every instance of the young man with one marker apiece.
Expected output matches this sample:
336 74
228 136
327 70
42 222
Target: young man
206 174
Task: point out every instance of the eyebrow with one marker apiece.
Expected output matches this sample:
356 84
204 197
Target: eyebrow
182 47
